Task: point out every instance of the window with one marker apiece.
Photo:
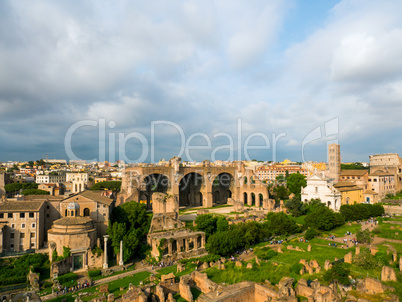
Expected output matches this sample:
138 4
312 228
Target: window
33 225
33 244
12 235
12 245
22 235
22 215
316 189
13 226
22 225
33 235
10 215
1 215
31 215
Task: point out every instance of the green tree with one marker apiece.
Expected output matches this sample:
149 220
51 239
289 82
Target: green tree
281 193
108 185
281 224
130 223
35 192
340 272
280 178
206 223
223 243
31 163
311 234
222 224
295 206
324 219
295 182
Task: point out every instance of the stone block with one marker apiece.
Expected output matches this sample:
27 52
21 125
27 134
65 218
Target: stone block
290 247
104 288
357 252
110 298
373 250
348 257
388 274
160 294
303 261
314 263
181 267
249 266
239 264
327 265
309 248
280 250
318 270
223 259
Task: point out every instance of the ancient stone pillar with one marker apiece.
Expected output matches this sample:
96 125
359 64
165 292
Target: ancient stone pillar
187 244
203 241
105 265
121 253
170 248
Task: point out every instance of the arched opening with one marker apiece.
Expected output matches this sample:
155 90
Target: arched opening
245 197
368 199
174 246
221 188
261 199
199 242
347 200
245 180
86 212
252 199
189 190
217 197
154 183
65 213
329 204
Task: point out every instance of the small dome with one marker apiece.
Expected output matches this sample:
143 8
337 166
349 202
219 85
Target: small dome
73 206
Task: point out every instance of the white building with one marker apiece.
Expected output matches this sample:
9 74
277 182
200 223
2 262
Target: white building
319 188
79 181
50 178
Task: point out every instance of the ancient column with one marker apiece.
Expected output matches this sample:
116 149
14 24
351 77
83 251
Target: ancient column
187 244
203 241
105 265
170 247
121 253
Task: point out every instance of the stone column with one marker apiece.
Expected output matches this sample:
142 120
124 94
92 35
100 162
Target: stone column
170 247
187 244
203 241
121 253
105 265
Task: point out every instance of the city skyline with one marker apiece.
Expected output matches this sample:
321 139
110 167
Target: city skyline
283 68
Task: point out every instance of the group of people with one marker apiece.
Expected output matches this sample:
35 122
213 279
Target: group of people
277 241
79 286
162 264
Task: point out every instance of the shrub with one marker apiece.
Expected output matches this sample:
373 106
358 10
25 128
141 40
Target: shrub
366 260
13 280
324 219
339 272
363 236
311 233
47 284
69 277
265 253
296 268
94 273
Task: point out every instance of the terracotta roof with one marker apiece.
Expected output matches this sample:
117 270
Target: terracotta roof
72 220
353 188
353 172
340 184
24 206
370 192
95 196
381 173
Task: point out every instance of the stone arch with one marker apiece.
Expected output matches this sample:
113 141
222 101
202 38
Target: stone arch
154 183
189 189
261 199
245 198
217 197
252 197
86 212
221 186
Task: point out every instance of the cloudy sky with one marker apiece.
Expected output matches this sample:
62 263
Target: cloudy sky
144 80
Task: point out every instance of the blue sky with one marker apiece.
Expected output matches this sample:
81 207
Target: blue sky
278 70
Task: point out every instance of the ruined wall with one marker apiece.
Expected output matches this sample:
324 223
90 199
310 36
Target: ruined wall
202 282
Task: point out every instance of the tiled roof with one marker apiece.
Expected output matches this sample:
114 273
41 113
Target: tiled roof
72 220
21 206
353 172
381 173
95 196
